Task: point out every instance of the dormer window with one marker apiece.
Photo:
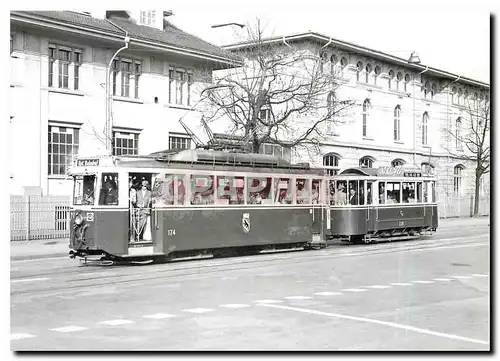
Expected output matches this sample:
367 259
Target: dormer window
148 17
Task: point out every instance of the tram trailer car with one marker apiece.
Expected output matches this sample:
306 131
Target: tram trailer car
386 203
194 202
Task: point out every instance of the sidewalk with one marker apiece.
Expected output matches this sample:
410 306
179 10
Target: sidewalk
48 248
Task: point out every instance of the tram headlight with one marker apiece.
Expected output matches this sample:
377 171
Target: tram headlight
78 219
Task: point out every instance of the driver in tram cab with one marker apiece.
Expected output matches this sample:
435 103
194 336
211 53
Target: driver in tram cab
353 197
88 197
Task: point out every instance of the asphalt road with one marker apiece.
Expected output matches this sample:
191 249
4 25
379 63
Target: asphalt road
428 294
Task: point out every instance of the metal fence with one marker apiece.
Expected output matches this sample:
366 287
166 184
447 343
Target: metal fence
39 217
455 206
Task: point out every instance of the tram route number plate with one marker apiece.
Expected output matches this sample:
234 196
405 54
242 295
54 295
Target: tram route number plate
171 232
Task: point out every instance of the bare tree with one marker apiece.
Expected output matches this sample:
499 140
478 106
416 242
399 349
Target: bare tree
284 95
470 141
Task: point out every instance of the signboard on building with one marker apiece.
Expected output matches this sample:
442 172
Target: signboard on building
87 162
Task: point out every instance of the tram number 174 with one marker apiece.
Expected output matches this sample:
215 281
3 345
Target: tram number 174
171 232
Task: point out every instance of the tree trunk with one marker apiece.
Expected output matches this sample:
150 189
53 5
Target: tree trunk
476 195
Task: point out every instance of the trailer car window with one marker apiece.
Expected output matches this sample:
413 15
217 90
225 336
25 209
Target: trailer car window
283 191
316 195
302 191
202 189
259 190
230 190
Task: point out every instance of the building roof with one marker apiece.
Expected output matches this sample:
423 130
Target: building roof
344 45
171 37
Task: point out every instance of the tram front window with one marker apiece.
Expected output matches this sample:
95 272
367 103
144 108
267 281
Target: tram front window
109 189
83 190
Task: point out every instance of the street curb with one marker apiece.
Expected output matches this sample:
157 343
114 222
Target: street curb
39 256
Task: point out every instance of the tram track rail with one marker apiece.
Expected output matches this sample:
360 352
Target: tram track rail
205 269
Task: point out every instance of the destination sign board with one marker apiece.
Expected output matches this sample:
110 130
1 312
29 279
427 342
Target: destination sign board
87 162
401 172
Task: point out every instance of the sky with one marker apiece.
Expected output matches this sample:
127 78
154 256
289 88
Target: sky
450 36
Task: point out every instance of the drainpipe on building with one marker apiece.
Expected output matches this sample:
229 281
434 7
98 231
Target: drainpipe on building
109 126
414 119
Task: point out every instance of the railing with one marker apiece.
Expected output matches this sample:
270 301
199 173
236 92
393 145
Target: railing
39 217
461 206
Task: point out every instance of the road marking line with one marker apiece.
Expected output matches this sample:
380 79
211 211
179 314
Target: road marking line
378 287
479 275
384 323
327 293
234 305
116 322
401 284
268 301
199 310
462 277
424 282
159 316
354 290
29 280
69 329
20 336
298 297
442 279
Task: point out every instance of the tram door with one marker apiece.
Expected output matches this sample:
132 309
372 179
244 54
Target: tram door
370 211
320 211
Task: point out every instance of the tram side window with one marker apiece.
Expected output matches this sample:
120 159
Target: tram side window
433 185
283 191
426 193
109 189
381 193
169 190
408 192
419 192
202 189
369 193
316 196
331 191
259 190
302 190
230 190
353 193
393 192
83 191
341 193
361 193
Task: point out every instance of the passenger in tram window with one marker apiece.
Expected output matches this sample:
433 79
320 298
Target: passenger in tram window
341 195
88 196
181 192
406 193
381 192
331 188
144 209
132 192
255 198
197 199
315 196
302 192
111 193
353 197
369 193
419 192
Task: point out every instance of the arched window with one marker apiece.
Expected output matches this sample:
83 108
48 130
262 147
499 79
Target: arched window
397 122
427 167
366 116
427 89
454 95
333 64
399 78
425 121
368 70
377 73
366 162
433 91
330 104
460 97
458 135
407 81
331 163
398 162
343 65
466 96
391 78
359 69
457 179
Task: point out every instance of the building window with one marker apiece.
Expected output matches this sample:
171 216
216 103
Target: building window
407 81
460 97
368 70
62 147
64 67
130 71
179 143
343 65
428 168
366 116
391 78
458 131
397 163
125 143
322 61
333 64
433 91
366 162
359 68
377 73
180 85
276 150
457 179
399 78
331 164
425 120
397 122
148 17
330 105
454 95
427 89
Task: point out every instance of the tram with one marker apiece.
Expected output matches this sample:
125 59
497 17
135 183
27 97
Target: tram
385 203
192 203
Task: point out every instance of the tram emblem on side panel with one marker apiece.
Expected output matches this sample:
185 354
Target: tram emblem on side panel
245 222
